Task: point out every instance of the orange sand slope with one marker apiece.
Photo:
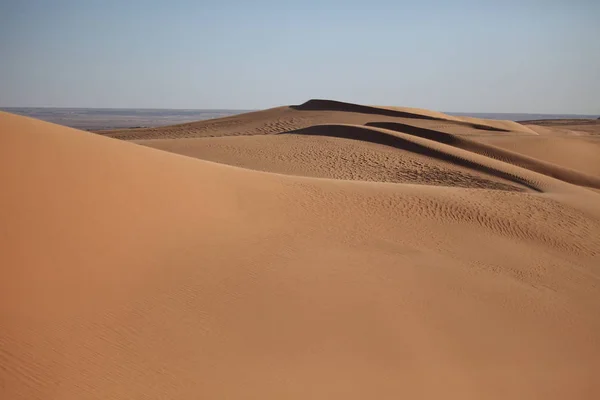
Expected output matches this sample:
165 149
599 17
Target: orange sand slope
130 272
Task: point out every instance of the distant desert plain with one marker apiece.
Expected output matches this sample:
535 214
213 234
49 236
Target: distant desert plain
321 251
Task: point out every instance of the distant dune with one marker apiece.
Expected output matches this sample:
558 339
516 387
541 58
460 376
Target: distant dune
321 251
97 119
283 119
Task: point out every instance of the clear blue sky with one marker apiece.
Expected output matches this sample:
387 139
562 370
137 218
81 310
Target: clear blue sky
539 56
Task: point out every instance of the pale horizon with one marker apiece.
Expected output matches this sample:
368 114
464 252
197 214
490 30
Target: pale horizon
281 105
531 56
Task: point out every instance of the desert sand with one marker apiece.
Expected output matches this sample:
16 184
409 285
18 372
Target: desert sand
320 251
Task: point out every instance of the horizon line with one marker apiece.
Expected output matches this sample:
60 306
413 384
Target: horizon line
260 109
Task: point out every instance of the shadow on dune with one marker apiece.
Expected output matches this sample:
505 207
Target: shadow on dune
539 166
424 133
367 134
331 105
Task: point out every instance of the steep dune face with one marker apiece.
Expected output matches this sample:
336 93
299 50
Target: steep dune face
129 272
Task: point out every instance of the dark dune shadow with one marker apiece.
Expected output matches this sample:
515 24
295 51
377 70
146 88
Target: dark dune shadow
332 105
424 133
374 136
432 133
533 164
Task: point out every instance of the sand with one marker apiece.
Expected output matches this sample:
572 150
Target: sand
319 251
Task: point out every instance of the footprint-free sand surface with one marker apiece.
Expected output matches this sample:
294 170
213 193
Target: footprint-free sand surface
320 251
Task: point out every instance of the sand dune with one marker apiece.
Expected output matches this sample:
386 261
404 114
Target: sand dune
557 171
581 126
578 153
349 258
326 156
284 119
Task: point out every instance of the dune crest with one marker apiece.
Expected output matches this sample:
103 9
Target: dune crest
313 112
131 272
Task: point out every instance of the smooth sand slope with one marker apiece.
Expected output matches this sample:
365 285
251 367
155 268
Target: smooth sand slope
374 262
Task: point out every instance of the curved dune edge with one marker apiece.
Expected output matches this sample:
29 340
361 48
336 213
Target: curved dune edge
331 158
314 112
416 113
529 163
332 105
440 150
128 272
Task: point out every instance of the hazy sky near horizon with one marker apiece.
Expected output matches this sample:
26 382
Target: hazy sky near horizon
538 56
